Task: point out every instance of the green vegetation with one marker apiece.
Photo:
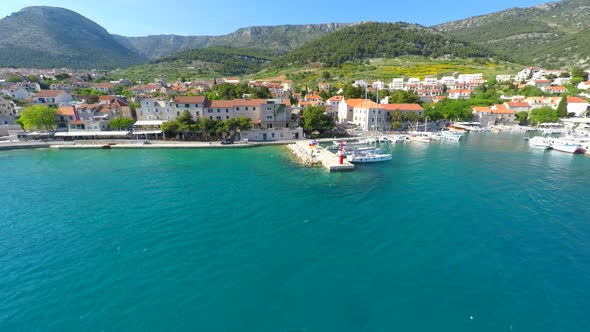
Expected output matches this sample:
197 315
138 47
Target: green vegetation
186 128
50 37
562 107
121 123
224 60
89 92
316 119
226 91
378 40
543 115
39 117
449 109
552 35
522 117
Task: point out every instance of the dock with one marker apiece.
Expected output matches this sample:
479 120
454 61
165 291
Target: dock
319 156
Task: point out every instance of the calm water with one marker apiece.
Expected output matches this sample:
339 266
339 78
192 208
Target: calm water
485 235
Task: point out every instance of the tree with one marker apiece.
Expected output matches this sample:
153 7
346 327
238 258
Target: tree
562 107
315 118
404 97
40 117
579 73
62 76
522 117
543 115
351 92
170 128
326 75
121 123
531 91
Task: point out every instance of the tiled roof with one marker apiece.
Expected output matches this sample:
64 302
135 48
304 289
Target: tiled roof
65 110
189 99
49 93
575 100
402 107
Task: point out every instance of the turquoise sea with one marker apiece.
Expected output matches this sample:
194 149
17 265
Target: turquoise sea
485 235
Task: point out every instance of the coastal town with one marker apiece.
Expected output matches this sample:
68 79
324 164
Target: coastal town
85 106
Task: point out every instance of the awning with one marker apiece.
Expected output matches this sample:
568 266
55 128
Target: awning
146 132
92 133
149 123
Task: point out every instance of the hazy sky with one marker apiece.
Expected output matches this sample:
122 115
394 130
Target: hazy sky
215 17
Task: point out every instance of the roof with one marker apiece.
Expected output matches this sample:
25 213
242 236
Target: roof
500 109
221 104
49 93
106 98
460 91
77 122
189 99
481 109
335 98
402 107
575 100
353 102
367 104
517 104
65 110
556 87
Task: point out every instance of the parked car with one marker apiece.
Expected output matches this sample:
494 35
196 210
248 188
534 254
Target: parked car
226 141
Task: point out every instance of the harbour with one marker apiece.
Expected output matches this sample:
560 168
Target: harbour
155 239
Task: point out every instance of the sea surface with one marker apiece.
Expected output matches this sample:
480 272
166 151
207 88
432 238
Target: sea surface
484 235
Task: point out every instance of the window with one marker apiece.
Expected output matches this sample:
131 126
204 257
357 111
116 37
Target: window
210 111
168 110
218 118
211 117
272 135
177 105
237 108
269 117
218 111
227 117
177 113
226 110
186 105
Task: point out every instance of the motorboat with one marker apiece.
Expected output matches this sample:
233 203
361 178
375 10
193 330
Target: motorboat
452 135
368 157
540 142
567 146
420 136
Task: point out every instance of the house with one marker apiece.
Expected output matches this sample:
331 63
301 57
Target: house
555 89
538 102
8 113
107 88
61 86
438 99
518 106
448 80
562 81
345 109
56 97
31 87
460 94
312 100
118 107
503 115
584 85
469 78
193 104
15 92
404 108
368 115
497 114
397 84
540 83
231 80
159 109
503 78
63 116
578 106
379 85
145 89
332 105
361 83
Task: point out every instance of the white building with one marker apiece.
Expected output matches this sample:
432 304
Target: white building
578 106
56 97
503 78
8 113
448 80
397 84
469 78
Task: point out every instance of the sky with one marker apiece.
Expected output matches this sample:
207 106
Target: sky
217 17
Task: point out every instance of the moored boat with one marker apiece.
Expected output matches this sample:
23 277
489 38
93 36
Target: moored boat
566 146
540 142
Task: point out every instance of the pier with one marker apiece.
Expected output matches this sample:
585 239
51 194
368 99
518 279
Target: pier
319 156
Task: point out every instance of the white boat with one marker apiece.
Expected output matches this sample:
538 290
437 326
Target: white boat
452 135
540 142
566 146
419 136
368 157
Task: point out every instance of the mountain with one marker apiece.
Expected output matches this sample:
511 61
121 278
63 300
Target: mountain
379 40
281 38
552 35
50 37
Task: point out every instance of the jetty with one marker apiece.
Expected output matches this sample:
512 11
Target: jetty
318 156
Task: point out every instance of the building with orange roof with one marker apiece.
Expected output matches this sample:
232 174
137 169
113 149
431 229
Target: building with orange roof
577 106
518 106
584 85
538 102
494 115
555 89
369 116
460 94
